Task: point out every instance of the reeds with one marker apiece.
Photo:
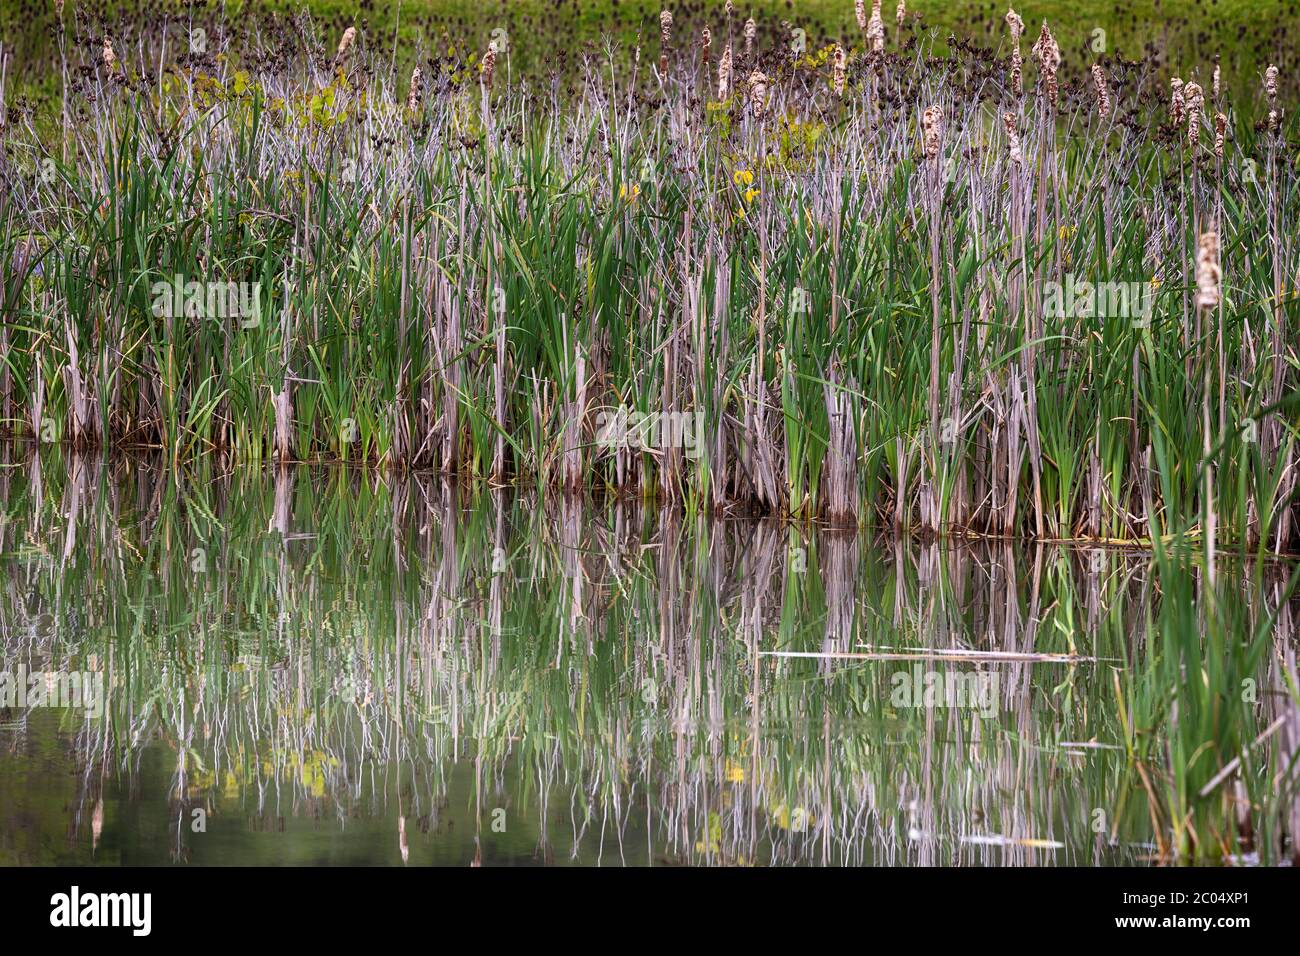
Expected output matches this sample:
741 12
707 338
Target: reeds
857 314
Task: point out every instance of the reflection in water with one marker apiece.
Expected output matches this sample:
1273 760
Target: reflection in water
320 666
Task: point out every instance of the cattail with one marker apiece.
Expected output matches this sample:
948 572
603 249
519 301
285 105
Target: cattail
110 58
58 8
489 65
1017 28
417 90
757 93
665 38
1049 55
1103 91
724 73
876 28
1195 101
1177 105
860 11
1220 133
932 129
1274 120
1214 83
345 43
1270 84
1208 273
706 45
729 8
1013 140
837 76
751 31
900 13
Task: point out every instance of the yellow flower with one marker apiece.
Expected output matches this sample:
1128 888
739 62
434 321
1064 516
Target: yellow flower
1067 232
751 195
734 773
743 177
629 195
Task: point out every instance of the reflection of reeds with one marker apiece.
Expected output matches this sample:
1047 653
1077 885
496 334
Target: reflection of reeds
596 672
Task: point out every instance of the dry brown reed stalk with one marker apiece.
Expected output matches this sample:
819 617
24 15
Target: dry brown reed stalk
1017 28
932 136
724 73
706 48
1103 90
1209 278
665 38
838 71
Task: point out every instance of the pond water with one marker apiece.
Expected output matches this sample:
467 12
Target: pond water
323 666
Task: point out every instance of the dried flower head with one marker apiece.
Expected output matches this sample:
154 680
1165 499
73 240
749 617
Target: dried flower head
489 66
1220 133
1195 99
416 91
1049 55
860 12
757 93
110 58
724 73
1103 90
345 43
1209 275
900 13
876 28
1270 84
1016 25
751 31
932 131
1013 140
706 46
839 71
1177 104
1214 82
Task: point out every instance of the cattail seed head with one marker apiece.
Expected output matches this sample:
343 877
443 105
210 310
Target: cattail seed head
489 66
416 92
1177 104
1016 25
757 93
1195 98
876 28
724 73
665 27
1270 84
345 43
1049 55
1209 275
900 13
1103 90
706 46
1214 82
839 71
1220 133
1274 120
110 58
860 12
1013 140
932 131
